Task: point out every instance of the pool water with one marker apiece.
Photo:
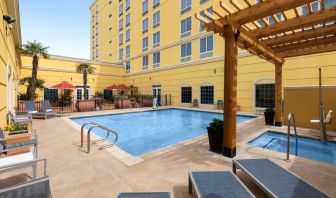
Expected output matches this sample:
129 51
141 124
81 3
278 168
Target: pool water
143 132
307 147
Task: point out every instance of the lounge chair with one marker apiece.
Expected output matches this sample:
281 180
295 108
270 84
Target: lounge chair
34 187
327 119
219 184
144 195
275 180
46 107
19 119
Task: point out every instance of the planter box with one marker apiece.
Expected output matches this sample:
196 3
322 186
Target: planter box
147 102
215 139
107 107
19 150
123 104
269 118
85 105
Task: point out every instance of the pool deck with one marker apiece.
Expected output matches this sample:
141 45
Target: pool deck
74 173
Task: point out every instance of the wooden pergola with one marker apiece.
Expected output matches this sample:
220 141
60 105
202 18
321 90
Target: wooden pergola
273 30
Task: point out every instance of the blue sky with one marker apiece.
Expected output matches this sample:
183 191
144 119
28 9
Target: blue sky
63 25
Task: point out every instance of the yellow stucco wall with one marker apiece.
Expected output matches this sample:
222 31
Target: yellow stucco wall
58 69
9 59
304 103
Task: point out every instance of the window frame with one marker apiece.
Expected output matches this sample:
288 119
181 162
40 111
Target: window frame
188 32
145 48
145 59
207 101
184 100
156 39
156 21
187 56
144 7
156 59
145 25
183 10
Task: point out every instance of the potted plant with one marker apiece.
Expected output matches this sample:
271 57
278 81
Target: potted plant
269 116
215 135
19 132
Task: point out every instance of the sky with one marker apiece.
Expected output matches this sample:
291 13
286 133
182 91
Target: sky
63 25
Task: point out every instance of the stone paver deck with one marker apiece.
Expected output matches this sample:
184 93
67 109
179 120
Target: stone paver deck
74 173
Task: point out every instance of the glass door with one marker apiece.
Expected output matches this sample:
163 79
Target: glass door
157 93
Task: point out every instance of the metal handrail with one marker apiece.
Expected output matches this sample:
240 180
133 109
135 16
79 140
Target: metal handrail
94 125
134 101
291 117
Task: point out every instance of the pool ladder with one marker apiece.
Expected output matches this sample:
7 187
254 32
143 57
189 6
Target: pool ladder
291 117
133 101
93 126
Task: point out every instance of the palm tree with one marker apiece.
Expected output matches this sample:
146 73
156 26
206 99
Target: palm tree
39 84
85 69
36 50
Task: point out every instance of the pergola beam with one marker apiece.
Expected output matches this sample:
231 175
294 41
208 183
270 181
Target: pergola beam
301 35
303 52
296 23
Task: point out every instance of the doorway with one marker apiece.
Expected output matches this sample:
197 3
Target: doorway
157 93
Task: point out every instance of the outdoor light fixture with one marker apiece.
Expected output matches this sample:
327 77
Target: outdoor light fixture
9 19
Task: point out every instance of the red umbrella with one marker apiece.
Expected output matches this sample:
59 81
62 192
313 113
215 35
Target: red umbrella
64 85
117 87
122 87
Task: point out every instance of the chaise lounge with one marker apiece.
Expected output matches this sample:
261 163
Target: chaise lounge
46 107
275 180
144 195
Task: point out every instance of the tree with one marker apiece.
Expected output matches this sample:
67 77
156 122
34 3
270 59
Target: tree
27 81
36 50
85 69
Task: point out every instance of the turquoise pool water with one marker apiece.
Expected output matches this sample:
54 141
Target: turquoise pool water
143 132
307 147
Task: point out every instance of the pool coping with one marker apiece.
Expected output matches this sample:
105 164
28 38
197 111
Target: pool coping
130 160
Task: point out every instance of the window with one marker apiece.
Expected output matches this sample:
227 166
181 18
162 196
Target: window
97 9
93 54
156 19
207 94
206 46
97 53
185 5
144 25
97 31
128 66
203 1
108 95
156 39
96 19
329 3
128 35
121 38
128 19
186 52
145 44
145 62
128 51
128 4
121 54
186 94
121 24
50 94
121 10
265 95
93 44
156 59
156 3
186 27
97 40
145 7
316 6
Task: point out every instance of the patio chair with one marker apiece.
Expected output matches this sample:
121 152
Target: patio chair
19 119
30 107
144 195
46 107
327 119
33 187
275 180
219 184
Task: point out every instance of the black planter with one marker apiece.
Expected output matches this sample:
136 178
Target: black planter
215 136
269 118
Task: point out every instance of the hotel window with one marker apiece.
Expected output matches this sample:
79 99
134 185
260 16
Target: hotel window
201 28
329 3
97 31
96 19
128 51
50 94
93 54
97 9
145 62
156 39
265 95
128 35
185 5
186 27
93 44
121 10
121 38
128 66
128 19
121 24
97 40
207 94
203 1
97 53
186 94
186 52
121 54
206 47
156 3
145 7
144 25
156 19
128 4
145 44
156 59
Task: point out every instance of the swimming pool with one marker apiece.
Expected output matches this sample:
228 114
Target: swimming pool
307 147
143 132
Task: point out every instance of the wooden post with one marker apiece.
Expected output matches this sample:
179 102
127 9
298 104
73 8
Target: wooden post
278 94
230 92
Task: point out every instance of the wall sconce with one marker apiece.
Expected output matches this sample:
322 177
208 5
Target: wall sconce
150 78
215 71
71 79
10 22
92 79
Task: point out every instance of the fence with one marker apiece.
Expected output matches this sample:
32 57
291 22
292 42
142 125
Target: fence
94 103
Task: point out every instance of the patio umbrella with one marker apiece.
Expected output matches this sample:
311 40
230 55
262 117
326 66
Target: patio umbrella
117 87
122 87
62 86
112 87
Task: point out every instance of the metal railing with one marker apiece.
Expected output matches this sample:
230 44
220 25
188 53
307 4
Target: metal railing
95 125
291 117
133 101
